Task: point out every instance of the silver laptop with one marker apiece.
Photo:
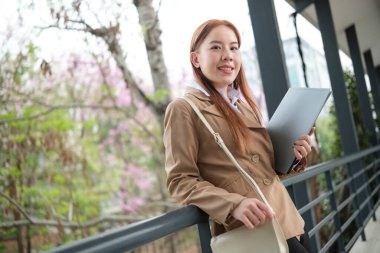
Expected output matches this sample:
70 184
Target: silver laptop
295 116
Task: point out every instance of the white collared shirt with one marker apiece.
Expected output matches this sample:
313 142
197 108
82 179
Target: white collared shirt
232 93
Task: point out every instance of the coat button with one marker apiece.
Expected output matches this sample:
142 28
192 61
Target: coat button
267 181
255 158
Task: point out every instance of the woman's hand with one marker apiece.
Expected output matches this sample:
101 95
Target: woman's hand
302 146
252 212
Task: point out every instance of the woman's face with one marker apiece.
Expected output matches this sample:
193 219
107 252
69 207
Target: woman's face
218 56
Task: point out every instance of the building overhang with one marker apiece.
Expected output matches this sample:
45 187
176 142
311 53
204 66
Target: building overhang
365 15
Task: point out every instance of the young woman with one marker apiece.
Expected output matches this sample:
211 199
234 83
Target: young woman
198 171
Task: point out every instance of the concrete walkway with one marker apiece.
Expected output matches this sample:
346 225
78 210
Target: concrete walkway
372 232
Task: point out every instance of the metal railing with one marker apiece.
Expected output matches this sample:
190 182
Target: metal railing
363 183
362 202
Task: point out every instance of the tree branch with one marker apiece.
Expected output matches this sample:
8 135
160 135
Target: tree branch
109 36
18 207
75 225
141 125
42 222
58 27
79 106
57 107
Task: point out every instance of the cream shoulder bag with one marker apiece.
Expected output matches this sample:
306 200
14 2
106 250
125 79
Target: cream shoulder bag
267 238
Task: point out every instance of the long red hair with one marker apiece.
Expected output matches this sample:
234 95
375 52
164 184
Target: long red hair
236 125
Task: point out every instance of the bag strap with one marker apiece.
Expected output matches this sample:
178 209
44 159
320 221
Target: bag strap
221 144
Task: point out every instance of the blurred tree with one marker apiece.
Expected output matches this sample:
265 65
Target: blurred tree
76 131
79 16
54 158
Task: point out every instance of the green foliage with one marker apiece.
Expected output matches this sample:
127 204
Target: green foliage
2 248
47 246
328 136
54 161
160 95
328 131
363 136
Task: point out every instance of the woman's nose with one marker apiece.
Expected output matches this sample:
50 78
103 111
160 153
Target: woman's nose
227 58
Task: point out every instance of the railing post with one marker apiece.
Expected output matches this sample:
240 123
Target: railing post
364 103
372 80
359 219
269 52
333 205
376 172
204 237
300 194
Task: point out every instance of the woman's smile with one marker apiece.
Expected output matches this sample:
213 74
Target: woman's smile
226 69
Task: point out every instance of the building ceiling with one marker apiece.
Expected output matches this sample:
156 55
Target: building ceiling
365 14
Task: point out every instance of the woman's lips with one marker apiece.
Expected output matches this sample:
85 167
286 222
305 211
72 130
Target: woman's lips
226 69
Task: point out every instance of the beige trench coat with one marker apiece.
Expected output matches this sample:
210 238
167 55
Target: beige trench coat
200 173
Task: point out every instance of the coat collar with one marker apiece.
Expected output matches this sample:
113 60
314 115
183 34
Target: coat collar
246 113
197 93
232 93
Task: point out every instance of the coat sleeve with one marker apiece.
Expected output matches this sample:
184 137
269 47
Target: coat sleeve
183 175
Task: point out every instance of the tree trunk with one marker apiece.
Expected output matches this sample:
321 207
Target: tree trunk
28 240
150 25
16 214
151 29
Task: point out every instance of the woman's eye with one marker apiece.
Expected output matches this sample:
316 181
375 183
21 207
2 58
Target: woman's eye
215 47
234 48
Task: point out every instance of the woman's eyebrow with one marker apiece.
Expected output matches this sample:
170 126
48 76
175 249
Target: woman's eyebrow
219 42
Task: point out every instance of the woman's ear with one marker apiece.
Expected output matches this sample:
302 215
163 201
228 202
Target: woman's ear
194 59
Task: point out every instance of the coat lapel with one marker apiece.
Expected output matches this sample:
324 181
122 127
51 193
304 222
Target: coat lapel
210 108
197 93
246 113
248 116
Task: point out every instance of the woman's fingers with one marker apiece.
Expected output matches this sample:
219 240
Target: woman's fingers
268 212
305 138
303 143
302 146
247 222
258 214
252 212
297 154
312 130
303 150
254 219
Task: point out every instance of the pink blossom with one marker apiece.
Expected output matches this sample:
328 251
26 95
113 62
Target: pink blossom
124 194
122 127
143 184
108 142
83 117
128 208
137 201
124 98
132 170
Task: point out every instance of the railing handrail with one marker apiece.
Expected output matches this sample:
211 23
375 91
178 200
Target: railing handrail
323 167
130 237
140 233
